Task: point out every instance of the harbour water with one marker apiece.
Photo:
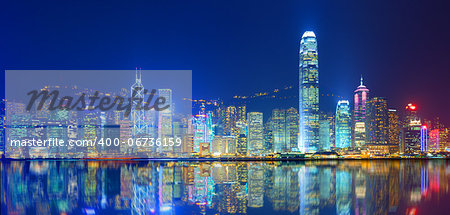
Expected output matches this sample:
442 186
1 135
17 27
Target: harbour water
303 187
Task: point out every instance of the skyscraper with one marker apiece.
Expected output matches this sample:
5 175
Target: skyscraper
308 93
423 138
137 115
343 125
377 126
411 131
203 131
268 136
241 145
230 120
292 128
165 125
393 129
255 133
359 116
279 131
324 130
283 125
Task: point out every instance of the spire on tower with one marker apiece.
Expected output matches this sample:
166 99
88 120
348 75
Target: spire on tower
361 80
138 74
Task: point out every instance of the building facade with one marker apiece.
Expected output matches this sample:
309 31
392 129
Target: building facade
359 115
377 126
343 125
308 93
255 131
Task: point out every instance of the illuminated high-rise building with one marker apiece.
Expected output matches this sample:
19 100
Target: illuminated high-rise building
423 138
203 131
377 126
292 129
444 139
433 141
410 143
324 131
224 145
283 125
308 93
230 120
165 125
343 125
255 133
279 131
359 115
393 129
241 113
241 145
137 114
268 136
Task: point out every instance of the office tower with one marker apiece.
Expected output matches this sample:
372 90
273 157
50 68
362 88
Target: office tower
308 93
203 131
326 131
279 131
332 119
126 133
292 129
224 145
423 138
188 144
393 130
151 119
359 116
324 135
199 124
209 128
444 139
411 130
283 125
230 120
434 144
268 136
255 133
241 127
241 145
241 113
56 128
343 125
137 114
377 126
165 118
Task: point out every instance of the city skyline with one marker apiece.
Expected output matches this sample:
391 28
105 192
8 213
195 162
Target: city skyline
352 42
224 107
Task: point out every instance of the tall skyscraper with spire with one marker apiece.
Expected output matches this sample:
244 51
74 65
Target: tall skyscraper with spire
308 93
137 114
359 115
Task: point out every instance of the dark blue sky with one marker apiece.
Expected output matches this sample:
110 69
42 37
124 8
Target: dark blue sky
239 47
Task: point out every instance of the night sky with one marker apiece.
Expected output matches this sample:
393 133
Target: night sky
401 48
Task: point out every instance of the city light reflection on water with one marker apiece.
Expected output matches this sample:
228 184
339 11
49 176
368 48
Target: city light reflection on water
313 187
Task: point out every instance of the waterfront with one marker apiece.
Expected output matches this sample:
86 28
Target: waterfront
301 187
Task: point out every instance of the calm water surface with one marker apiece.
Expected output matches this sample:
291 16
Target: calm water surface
319 187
